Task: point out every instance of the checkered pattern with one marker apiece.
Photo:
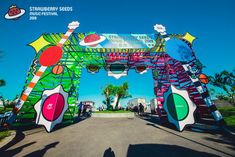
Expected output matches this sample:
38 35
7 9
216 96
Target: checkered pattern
202 90
205 95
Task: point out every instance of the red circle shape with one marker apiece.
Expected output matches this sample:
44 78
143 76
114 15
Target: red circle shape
91 38
51 56
53 106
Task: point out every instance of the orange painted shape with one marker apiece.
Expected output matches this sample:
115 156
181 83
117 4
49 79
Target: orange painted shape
59 44
65 37
31 85
15 110
24 97
39 73
58 69
203 78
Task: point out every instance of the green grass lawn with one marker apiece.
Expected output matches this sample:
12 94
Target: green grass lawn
228 112
4 134
2 111
28 115
107 111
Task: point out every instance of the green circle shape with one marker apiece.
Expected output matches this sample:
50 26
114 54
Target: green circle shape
177 106
117 68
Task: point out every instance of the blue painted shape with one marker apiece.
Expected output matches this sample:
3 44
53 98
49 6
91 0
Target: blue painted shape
179 50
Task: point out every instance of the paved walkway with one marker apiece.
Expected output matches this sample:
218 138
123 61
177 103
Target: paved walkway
119 137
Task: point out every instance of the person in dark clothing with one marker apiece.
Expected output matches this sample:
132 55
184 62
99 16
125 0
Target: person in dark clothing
109 153
84 110
141 109
136 110
80 108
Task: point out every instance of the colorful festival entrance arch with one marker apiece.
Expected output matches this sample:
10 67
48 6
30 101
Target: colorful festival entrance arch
53 79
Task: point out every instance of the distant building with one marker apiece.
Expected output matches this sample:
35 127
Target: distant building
92 103
1 103
135 102
153 105
89 104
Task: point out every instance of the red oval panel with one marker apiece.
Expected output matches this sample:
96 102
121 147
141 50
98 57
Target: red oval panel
51 56
141 68
53 106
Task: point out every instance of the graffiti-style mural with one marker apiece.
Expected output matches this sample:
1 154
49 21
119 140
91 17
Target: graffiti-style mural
53 80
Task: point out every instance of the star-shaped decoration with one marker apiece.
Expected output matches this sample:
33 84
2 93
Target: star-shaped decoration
39 43
190 38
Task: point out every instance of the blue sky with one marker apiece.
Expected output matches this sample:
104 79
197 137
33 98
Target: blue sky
212 22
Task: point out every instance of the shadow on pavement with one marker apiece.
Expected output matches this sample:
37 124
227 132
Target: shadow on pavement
163 150
15 151
199 128
224 140
69 122
109 153
157 120
18 137
41 152
30 126
191 140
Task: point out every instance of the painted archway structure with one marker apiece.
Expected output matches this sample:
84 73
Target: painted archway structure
52 83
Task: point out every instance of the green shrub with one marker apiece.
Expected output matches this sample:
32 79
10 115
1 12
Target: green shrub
4 134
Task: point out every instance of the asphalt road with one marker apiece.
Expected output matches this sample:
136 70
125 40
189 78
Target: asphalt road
119 137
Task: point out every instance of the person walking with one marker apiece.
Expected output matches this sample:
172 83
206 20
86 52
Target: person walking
80 108
141 109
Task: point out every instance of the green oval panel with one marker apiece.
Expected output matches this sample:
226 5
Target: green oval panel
177 106
117 68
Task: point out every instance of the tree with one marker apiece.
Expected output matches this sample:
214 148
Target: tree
2 83
121 92
108 91
226 81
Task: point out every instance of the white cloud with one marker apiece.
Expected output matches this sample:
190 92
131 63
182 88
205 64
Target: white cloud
159 28
73 25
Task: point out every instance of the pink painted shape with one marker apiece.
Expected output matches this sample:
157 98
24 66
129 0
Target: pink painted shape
53 106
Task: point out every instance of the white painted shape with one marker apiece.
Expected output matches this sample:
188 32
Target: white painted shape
62 41
67 33
192 107
73 25
49 125
35 79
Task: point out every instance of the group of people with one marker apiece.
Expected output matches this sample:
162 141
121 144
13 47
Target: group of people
139 109
83 110
101 108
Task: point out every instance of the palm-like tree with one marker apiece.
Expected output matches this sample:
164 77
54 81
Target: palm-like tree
226 81
108 91
2 82
121 92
